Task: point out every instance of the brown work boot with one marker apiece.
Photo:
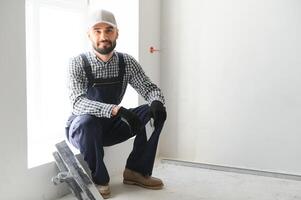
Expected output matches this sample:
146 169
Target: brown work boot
134 178
104 190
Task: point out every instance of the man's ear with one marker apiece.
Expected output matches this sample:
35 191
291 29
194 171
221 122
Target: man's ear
117 33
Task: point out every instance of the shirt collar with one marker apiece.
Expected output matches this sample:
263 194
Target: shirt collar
95 59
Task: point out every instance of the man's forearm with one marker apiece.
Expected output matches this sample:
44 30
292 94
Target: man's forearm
87 106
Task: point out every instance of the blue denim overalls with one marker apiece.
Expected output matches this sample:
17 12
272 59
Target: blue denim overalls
90 134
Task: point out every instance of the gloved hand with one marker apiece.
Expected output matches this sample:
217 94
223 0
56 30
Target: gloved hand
131 119
158 112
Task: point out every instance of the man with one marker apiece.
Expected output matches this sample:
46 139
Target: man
97 83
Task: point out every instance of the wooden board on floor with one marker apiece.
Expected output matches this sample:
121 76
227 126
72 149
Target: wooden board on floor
75 176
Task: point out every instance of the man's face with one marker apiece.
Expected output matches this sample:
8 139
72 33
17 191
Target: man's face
103 37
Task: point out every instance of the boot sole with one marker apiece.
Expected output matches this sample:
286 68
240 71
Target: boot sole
106 196
155 187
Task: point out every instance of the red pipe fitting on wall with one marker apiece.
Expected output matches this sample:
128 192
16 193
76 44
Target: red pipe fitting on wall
152 49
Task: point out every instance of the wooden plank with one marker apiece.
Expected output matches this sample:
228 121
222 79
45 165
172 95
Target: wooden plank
80 176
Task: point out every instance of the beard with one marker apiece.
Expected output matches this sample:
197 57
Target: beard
106 50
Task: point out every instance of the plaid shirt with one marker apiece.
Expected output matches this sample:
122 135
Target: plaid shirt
78 83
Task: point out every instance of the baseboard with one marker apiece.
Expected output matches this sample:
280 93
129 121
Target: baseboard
232 169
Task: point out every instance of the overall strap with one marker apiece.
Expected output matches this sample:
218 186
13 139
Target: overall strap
121 66
87 69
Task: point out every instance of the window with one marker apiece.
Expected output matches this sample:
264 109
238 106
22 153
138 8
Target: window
55 31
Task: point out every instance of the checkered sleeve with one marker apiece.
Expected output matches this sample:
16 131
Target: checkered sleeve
78 86
142 83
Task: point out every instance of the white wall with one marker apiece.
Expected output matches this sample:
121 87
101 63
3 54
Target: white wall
231 75
149 35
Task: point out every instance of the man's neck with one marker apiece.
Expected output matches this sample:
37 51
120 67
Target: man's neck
105 57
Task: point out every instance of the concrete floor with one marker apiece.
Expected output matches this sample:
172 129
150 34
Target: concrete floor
189 183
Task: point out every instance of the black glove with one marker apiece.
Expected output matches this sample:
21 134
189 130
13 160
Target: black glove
158 112
131 119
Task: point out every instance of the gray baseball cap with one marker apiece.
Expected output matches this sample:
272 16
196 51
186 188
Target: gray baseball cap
101 16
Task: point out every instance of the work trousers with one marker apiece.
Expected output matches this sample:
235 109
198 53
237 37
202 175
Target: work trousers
90 134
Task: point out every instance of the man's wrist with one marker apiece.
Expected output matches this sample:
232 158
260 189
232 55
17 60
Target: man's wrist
115 110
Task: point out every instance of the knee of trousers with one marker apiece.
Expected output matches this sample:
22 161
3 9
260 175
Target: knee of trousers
87 126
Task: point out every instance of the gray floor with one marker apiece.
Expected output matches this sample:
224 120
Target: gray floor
189 183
